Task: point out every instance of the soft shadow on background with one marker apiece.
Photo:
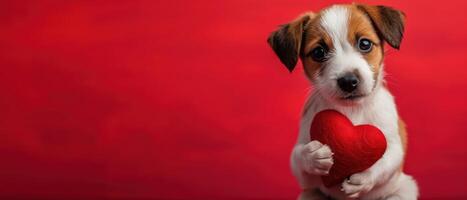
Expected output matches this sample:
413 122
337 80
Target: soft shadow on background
185 100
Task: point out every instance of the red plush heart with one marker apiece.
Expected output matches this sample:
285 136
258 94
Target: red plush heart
355 148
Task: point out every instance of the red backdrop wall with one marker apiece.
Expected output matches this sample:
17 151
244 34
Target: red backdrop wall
185 100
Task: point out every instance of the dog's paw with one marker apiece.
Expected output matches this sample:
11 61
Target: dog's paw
317 158
358 184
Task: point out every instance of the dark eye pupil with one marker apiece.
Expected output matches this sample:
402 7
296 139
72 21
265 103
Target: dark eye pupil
364 45
318 54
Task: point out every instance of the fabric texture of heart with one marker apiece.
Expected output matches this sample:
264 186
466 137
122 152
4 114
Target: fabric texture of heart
355 148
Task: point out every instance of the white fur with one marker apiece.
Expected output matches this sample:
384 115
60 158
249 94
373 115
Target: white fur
310 159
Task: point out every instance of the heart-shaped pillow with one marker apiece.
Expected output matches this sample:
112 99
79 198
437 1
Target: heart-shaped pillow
355 148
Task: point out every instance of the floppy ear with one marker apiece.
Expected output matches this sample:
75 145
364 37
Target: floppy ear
286 41
388 22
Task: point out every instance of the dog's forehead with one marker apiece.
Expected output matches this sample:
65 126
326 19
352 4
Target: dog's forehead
338 26
335 20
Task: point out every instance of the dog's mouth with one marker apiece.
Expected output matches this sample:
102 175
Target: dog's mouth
353 97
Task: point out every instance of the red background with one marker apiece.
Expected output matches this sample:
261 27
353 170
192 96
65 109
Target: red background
185 100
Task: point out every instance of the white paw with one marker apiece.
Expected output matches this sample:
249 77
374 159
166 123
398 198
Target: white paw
358 184
317 158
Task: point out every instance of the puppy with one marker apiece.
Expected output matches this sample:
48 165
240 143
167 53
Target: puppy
342 50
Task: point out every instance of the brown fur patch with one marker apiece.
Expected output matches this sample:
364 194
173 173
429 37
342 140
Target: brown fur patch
403 136
314 34
361 27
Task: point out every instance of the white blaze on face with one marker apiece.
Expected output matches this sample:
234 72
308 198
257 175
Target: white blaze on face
343 57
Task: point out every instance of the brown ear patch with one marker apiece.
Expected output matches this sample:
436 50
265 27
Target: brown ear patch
389 23
287 41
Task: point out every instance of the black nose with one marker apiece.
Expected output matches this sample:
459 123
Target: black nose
348 82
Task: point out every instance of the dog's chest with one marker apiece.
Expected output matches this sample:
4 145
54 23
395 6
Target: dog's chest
380 112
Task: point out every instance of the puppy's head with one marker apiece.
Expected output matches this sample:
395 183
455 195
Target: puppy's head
341 48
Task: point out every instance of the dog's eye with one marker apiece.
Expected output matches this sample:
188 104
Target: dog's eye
364 45
318 54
